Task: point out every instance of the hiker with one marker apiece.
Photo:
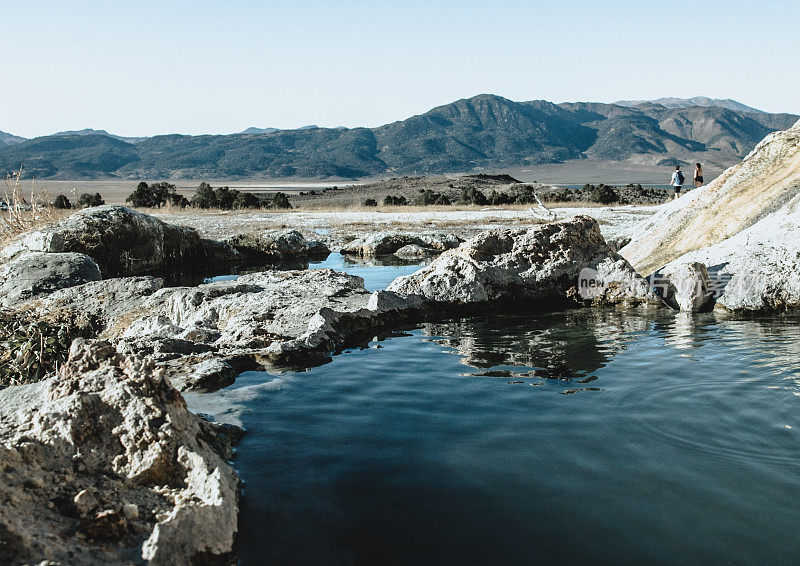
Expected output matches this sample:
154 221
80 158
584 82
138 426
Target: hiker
698 175
677 181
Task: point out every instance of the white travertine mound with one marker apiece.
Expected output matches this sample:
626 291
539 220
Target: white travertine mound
764 183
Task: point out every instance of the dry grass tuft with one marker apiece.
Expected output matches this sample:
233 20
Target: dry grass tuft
18 214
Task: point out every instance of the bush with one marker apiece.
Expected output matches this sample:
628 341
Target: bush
604 194
391 200
473 196
86 200
246 200
500 198
370 202
33 347
427 197
280 200
62 202
156 195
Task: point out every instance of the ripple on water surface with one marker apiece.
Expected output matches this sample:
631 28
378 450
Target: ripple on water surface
454 443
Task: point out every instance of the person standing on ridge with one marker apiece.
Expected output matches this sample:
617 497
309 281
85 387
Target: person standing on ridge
677 181
698 175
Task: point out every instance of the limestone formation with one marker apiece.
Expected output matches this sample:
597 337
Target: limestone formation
33 274
122 241
765 182
745 227
105 464
688 286
384 243
537 265
279 245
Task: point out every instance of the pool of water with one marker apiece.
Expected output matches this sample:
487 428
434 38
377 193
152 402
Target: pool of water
377 272
586 436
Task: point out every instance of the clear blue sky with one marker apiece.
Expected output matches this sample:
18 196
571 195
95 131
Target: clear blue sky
147 67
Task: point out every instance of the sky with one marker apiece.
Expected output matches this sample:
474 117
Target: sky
155 67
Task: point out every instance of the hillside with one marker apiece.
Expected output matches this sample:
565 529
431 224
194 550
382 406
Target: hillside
8 139
485 132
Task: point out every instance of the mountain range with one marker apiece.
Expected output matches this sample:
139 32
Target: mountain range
485 132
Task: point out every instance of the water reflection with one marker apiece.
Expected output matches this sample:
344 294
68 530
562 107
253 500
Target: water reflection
567 345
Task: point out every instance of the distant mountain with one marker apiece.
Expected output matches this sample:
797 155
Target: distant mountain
91 132
8 139
485 132
695 101
252 130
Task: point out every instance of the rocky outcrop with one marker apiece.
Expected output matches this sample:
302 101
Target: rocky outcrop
766 182
385 243
122 241
105 464
32 274
541 265
279 245
744 227
204 335
108 302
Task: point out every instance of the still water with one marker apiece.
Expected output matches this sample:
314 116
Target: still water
571 437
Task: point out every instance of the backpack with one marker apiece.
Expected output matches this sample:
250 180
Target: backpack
681 177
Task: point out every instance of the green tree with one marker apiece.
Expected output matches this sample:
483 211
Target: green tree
87 199
156 195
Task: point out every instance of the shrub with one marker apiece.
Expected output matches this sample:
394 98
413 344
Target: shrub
500 198
370 202
280 200
62 202
156 195
427 197
391 200
32 347
604 194
246 200
86 200
473 196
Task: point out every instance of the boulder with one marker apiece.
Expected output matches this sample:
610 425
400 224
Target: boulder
122 241
106 437
540 264
32 274
278 245
414 251
687 287
107 303
384 243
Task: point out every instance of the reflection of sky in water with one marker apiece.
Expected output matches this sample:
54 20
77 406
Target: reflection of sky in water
432 447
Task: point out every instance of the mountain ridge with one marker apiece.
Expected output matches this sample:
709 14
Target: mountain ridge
483 132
